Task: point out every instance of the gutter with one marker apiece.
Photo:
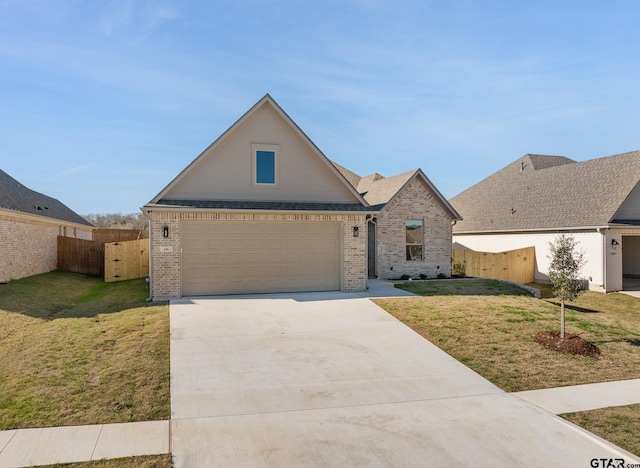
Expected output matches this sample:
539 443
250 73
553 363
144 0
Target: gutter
522 231
150 298
148 209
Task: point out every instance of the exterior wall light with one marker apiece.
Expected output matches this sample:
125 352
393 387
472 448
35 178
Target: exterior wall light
165 231
356 231
614 244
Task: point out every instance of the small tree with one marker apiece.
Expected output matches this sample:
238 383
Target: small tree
566 262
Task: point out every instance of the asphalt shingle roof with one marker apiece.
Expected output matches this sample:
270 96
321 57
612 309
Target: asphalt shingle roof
377 190
538 191
17 197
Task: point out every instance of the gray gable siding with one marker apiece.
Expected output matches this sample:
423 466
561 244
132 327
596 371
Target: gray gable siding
629 212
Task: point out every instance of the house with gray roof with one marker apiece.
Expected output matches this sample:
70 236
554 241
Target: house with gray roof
29 225
537 197
410 231
263 210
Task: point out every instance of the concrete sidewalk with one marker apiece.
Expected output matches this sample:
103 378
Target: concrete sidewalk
70 444
584 397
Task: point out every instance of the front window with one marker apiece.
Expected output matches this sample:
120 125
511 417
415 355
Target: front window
265 164
265 167
414 233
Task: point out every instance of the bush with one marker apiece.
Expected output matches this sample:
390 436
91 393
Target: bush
459 269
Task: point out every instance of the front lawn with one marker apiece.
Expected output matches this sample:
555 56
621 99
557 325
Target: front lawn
489 326
618 424
76 350
148 461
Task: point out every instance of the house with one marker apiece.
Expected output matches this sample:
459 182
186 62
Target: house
534 199
263 210
410 231
29 225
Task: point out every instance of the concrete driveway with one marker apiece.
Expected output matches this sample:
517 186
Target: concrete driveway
330 379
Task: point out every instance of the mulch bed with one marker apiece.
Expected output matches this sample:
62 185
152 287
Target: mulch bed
571 344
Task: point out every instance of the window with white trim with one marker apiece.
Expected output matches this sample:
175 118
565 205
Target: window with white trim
414 239
265 164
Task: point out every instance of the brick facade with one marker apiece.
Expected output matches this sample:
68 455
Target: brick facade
166 275
28 244
414 202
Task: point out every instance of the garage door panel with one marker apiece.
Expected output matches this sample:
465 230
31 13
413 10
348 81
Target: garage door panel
246 257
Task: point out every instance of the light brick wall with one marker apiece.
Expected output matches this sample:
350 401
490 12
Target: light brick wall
166 275
29 246
355 255
416 202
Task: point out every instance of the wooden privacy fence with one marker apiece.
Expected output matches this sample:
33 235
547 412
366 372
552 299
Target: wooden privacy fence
126 260
88 257
514 265
80 256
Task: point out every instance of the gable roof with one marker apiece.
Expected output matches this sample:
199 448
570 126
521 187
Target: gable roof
164 197
378 190
548 192
15 196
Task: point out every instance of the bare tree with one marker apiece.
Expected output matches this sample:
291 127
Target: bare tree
566 262
119 221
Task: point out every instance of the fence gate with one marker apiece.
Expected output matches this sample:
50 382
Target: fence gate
126 260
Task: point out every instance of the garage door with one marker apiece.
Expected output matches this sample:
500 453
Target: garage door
248 257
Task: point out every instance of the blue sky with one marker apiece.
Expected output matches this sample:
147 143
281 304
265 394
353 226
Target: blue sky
102 103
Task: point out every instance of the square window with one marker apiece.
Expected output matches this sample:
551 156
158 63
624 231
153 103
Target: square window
265 167
414 239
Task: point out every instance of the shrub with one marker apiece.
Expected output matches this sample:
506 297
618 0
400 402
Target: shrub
459 269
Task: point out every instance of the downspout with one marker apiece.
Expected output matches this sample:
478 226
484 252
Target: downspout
603 260
373 220
150 298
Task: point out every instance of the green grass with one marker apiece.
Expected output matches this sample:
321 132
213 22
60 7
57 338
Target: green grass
151 461
78 351
619 424
462 287
490 327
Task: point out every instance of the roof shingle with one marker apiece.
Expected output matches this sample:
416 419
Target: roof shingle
15 196
537 192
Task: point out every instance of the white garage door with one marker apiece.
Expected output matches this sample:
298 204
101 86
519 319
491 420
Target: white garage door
249 257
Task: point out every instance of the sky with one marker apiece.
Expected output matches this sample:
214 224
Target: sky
104 102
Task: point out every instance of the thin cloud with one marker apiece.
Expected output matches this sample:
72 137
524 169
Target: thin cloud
74 170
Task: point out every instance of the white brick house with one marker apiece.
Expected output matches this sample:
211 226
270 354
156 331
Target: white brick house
29 225
537 197
263 210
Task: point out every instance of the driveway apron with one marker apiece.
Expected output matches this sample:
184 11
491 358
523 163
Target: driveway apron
330 379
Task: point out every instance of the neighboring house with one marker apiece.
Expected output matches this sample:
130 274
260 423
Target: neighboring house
29 225
263 210
536 198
